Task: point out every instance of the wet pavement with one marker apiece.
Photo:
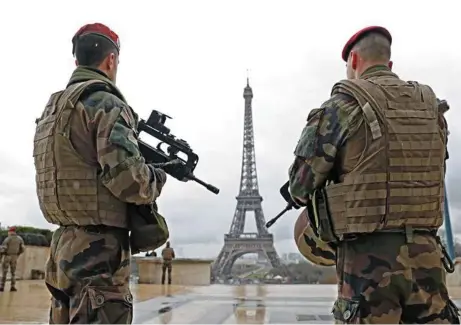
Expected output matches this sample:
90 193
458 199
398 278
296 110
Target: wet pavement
249 304
215 304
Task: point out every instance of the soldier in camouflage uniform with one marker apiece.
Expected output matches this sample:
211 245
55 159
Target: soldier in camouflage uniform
168 256
13 247
88 171
2 253
370 165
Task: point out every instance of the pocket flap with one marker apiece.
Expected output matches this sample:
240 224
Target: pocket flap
346 310
98 296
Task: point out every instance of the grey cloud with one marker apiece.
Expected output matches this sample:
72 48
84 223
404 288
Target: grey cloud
200 83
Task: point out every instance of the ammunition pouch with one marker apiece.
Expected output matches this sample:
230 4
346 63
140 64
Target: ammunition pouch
320 217
149 229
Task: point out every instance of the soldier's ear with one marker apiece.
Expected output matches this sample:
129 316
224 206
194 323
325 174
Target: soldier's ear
354 60
390 64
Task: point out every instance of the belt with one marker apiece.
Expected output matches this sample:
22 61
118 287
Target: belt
99 229
408 231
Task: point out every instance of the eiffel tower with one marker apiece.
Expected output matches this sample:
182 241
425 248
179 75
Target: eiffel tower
237 242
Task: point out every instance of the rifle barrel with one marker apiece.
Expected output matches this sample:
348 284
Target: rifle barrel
289 206
209 187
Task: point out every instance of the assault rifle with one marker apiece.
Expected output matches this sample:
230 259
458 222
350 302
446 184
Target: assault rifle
184 168
284 191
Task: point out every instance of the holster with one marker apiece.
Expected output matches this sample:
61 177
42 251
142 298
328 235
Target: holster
324 226
149 229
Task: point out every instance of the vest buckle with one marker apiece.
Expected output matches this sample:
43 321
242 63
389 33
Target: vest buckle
409 234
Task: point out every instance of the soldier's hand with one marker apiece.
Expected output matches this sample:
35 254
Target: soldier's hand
176 168
159 176
443 105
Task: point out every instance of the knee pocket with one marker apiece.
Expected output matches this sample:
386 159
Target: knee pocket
109 305
346 311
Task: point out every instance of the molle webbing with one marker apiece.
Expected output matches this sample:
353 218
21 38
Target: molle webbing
69 189
367 104
399 180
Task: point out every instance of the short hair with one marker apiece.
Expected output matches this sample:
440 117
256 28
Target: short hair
374 47
92 49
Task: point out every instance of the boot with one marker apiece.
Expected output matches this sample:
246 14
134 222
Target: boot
2 289
13 289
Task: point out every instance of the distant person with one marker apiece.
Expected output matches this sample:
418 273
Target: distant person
168 256
13 246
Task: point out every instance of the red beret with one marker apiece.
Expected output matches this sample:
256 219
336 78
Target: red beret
13 229
98 29
361 33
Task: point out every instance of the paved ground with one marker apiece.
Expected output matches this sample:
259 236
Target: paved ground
250 304
216 304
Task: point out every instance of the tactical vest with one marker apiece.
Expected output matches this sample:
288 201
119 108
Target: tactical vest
14 245
167 253
398 181
70 191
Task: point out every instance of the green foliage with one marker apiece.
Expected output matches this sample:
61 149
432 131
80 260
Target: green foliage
32 236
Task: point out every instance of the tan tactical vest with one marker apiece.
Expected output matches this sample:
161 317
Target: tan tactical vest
399 179
69 190
167 253
14 245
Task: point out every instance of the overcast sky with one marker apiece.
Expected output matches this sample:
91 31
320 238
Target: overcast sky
189 60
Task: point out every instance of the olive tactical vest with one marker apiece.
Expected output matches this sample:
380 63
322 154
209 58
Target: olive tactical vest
70 191
399 179
167 253
14 245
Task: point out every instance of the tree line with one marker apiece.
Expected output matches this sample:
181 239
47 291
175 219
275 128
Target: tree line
32 236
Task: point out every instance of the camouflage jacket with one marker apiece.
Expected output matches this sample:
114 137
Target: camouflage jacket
115 148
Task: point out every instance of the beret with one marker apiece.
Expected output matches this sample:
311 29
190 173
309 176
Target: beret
97 29
361 33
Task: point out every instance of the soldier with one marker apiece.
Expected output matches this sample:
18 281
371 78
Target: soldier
369 167
89 173
168 256
2 253
13 246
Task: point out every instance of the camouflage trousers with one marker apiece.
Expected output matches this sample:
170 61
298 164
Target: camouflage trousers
87 274
9 262
387 278
167 265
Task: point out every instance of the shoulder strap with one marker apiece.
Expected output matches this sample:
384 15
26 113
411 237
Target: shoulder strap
74 91
68 99
358 89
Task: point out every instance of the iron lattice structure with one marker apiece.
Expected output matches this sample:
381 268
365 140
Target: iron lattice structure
237 242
